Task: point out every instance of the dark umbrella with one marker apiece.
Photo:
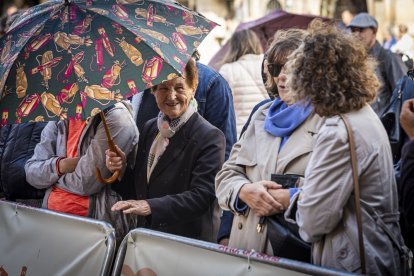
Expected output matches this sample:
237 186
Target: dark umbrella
265 27
73 58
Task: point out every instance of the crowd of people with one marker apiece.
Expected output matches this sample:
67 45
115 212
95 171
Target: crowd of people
210 143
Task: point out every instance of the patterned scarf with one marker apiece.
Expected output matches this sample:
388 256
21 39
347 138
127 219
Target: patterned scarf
166 129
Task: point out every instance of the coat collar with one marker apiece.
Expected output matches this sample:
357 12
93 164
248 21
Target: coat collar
177 144
267 146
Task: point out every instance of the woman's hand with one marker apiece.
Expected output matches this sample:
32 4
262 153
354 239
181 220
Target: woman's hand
282 196
115 160
68 165
257 197
137 207
407 118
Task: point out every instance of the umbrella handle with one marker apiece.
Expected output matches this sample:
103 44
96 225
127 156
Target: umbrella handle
110 180
112 147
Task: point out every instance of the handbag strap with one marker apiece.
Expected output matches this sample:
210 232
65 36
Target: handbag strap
356 192
397 241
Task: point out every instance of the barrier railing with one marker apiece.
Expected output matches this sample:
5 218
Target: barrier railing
147 252
41 242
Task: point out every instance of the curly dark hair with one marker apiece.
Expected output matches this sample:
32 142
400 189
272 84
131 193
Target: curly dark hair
332 69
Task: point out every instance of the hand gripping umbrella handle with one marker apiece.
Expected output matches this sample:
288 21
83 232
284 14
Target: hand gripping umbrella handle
112 147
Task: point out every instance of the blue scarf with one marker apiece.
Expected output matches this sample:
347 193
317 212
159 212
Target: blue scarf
282 120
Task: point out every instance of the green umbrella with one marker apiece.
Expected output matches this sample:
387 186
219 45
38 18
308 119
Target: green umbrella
72 59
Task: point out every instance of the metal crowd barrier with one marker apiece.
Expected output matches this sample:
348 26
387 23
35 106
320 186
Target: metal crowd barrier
147 252
36 241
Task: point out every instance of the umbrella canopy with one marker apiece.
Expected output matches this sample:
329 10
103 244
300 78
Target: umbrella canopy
73 58
265 27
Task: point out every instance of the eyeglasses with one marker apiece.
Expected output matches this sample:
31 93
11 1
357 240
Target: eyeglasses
274 69
359 29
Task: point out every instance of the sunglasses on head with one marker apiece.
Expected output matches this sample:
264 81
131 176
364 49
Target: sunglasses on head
274 69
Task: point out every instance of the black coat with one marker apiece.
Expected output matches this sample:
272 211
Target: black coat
407 193
181 191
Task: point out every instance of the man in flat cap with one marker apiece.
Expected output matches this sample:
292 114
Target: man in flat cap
390 67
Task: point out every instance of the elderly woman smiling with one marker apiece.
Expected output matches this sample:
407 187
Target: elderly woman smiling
179 154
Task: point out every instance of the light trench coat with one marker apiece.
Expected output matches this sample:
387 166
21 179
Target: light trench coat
326 212
254 158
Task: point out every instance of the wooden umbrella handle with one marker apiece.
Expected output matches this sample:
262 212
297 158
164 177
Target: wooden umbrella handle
110 180
112 147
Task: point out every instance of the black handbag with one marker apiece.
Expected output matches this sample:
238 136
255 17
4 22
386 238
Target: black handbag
284 236
390 117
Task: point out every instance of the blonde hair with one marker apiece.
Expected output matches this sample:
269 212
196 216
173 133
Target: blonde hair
242 43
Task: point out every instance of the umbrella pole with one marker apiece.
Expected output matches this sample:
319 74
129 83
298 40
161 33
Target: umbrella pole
112 147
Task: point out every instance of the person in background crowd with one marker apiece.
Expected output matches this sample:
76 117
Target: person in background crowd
278 140
389 39
404 46
390 67
405 43
179 154
65 160
241 69
407 174
326 213
347 16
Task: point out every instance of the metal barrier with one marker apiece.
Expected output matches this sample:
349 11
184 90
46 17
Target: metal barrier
41 242
147 252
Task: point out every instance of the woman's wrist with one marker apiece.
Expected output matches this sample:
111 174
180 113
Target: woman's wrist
146 209
58 169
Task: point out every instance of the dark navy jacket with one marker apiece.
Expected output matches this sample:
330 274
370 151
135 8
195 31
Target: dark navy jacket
17 143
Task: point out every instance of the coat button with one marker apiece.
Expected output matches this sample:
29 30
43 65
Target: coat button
240 226
343 253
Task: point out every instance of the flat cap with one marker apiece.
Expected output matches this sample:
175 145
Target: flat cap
363 20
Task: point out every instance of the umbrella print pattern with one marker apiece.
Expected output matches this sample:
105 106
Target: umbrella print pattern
62 60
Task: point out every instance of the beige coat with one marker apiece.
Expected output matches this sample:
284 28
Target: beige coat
326 212
245 80
254 158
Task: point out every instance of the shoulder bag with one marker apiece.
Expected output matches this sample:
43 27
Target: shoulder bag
405 254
